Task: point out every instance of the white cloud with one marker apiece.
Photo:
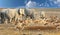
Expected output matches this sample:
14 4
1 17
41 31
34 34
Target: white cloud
44 5
58 0
31 4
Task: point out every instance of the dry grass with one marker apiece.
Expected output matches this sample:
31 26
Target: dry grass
8 29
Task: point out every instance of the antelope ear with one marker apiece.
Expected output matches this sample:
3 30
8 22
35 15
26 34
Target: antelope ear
22 14
19 11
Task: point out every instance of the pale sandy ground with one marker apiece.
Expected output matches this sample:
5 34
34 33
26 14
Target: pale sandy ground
8 29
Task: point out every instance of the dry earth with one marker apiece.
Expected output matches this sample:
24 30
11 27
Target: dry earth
9 29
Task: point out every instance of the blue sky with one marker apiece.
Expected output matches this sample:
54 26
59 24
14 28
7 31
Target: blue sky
29 3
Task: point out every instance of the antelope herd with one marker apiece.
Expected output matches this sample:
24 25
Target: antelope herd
24 19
